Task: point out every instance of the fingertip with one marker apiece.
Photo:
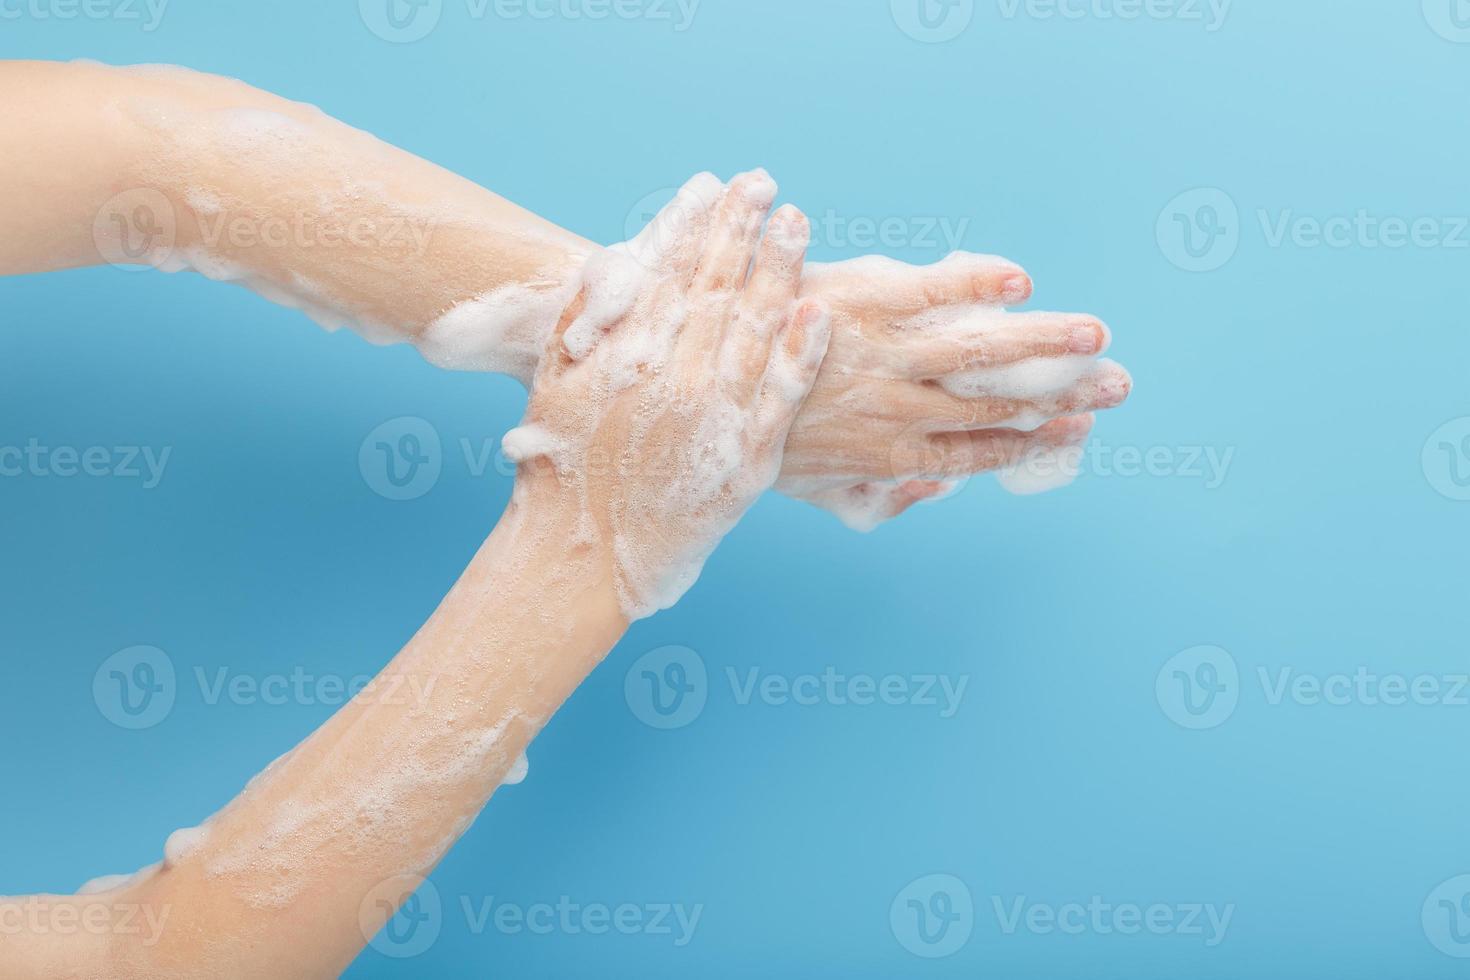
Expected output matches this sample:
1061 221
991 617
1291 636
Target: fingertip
703 187
755 187
1016 287
787 236
1076 428
1115 385
793 223
1089 335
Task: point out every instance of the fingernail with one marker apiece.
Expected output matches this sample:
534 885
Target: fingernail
1087 338
1015 289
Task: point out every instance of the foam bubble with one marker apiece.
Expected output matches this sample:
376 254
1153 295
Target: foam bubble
1033 379
1041 470
112 883
612 280
503 331
528 442
183 842
518 771
104 883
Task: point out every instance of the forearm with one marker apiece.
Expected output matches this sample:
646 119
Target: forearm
276 883
243 185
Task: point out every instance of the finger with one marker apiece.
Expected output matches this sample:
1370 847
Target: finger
777 274
791 370
901 496
766 303
674 240
1106 385
735 229
612 282
991 339
946 455
863 506
557 358
963 278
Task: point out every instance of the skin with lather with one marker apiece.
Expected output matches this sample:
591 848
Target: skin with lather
673 379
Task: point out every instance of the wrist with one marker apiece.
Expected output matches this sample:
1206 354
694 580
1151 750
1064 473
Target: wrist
565 566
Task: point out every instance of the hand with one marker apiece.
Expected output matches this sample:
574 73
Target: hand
929 379
660 408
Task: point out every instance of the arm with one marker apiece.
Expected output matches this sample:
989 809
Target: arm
929 377
179 169
297 874
658 417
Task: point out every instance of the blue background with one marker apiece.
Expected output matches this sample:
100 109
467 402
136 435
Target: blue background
1327 547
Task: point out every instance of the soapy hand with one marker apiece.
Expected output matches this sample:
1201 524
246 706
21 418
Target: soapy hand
661 405
930 379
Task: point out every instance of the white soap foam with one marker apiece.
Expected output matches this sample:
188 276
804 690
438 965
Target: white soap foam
528 442
111 883
1033 379
183 842
1042 470
504 331
104 883
518 771
612 280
